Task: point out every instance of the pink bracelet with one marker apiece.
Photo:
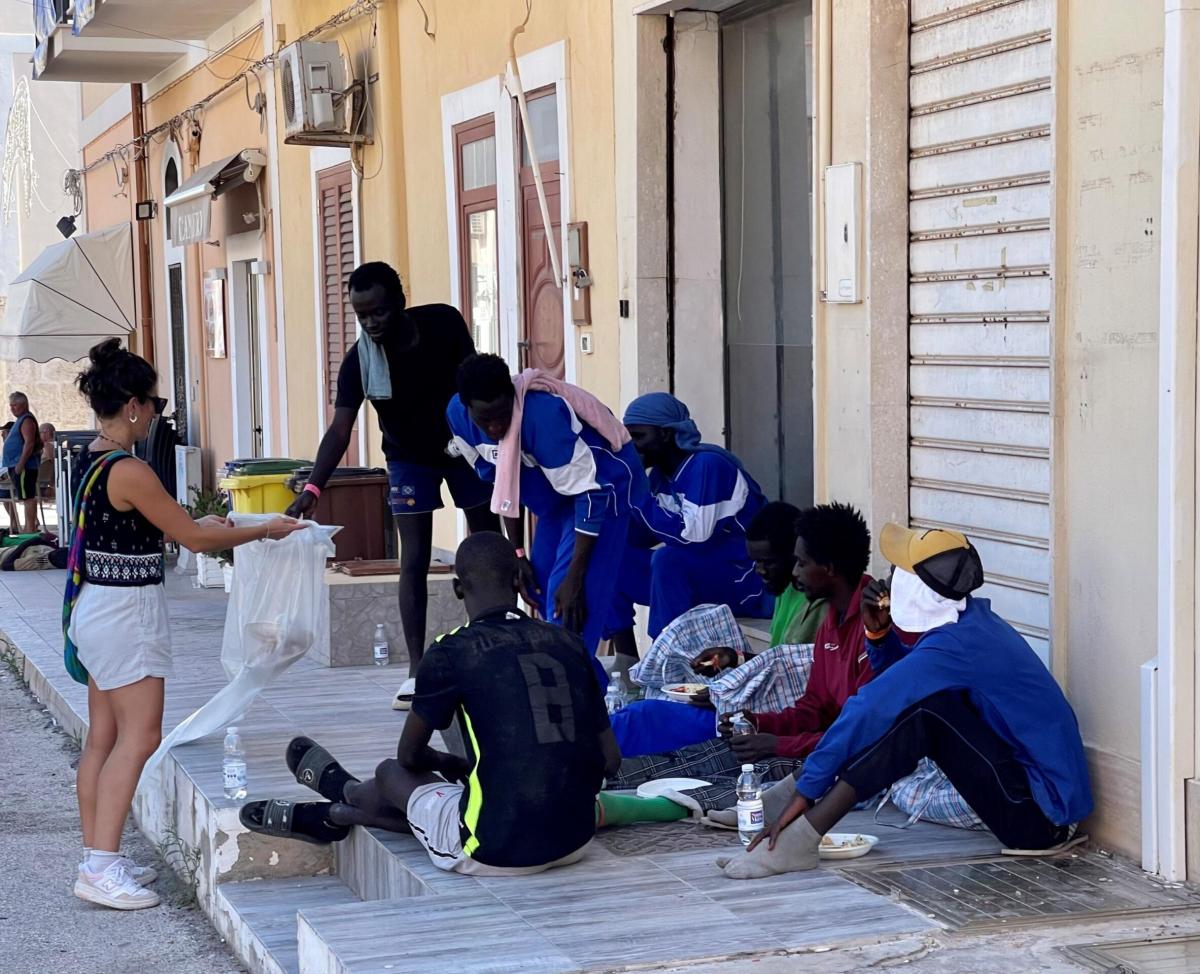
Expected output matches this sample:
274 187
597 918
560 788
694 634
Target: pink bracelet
312 489
520 552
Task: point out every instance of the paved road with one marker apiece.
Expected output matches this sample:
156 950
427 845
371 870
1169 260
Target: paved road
44 929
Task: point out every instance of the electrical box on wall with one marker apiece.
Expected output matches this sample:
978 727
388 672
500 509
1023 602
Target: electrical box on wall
843 233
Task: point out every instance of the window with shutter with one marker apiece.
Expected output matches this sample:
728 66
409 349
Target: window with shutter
335 189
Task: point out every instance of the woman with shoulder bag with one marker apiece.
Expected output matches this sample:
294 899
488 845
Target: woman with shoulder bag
115 613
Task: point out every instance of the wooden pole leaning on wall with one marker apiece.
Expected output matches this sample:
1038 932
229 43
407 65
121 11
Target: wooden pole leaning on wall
141 188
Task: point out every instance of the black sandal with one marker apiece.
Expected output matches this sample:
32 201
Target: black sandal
277 817
310 769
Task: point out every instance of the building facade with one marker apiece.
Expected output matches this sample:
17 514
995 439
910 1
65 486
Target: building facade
918 255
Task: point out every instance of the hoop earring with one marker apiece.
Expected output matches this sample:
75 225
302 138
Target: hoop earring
133 419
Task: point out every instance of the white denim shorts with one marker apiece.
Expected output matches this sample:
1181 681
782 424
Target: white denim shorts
433 817
121 633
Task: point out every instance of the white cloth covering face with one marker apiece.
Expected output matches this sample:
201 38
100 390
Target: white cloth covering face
918 608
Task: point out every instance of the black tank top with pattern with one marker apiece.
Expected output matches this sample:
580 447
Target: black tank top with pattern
121 548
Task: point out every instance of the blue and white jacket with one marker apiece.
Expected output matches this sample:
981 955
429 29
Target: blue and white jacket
563 460
707 503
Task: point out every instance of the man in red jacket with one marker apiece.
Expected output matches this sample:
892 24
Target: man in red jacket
833 547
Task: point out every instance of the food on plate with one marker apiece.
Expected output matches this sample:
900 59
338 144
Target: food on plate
688 688
828 842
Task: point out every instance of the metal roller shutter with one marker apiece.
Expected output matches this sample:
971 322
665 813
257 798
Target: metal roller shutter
980 290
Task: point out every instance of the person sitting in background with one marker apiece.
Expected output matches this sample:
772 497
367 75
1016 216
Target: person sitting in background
654 726
46 470
970 694
524 799
833 546
556 450
700 503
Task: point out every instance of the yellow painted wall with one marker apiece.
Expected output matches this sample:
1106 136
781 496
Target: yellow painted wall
228 126
94 94
403 202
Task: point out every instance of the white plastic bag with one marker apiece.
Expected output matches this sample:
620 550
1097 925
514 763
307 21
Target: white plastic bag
277 611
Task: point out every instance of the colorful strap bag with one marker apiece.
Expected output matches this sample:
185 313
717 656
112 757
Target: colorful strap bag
75 668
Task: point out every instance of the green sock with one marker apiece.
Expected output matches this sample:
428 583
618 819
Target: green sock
629 809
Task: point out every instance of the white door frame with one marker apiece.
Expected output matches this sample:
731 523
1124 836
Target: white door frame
173 254
246 249
539 69
320 159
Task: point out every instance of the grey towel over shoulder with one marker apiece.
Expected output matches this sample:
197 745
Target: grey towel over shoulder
376 375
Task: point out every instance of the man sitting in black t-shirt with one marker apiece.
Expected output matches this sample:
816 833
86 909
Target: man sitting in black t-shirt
406 364
539 745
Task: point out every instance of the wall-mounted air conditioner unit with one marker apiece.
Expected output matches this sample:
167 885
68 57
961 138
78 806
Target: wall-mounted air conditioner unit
321 106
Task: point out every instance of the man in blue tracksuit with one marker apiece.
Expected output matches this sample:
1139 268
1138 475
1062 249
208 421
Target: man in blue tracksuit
701 499
970 694
579 489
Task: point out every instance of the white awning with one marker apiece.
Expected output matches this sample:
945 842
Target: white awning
190 206
75 294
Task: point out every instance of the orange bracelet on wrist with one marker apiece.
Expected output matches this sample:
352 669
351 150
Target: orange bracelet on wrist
877 635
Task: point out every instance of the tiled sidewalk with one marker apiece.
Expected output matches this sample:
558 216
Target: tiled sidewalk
362 910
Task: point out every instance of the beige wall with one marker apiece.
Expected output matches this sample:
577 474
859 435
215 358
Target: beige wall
228 127
94 94
1108 171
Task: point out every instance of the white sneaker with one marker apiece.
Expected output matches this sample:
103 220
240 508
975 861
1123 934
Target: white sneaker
142 875
115 888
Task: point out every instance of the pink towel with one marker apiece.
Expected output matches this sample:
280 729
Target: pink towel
506 494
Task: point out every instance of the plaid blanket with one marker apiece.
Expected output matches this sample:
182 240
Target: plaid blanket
769 682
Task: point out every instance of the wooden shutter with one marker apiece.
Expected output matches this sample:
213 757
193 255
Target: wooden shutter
335 189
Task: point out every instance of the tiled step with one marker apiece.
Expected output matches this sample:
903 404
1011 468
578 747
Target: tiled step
379 865
471 931
257 917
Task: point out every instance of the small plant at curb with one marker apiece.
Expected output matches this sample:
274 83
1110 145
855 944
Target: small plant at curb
204 503
184 860
12 659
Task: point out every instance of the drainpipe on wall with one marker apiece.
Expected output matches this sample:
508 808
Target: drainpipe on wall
141 186
1175 704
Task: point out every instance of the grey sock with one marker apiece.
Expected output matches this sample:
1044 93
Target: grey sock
775 800
798 848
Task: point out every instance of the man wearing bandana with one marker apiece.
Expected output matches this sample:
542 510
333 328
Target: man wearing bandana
969 694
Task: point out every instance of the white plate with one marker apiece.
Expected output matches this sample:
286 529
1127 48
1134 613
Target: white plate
655 789
843 849
678 697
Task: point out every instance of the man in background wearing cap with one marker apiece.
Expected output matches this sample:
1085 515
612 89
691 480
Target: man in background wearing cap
970 694
701 500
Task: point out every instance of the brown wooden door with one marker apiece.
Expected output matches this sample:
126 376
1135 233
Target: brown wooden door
339 331
542 319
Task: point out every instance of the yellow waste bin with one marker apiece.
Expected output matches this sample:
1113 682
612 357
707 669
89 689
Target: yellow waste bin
259 493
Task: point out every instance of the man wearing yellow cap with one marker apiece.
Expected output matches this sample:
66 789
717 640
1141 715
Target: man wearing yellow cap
970 694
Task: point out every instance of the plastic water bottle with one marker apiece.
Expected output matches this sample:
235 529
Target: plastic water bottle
614 696
749 805
234 766
380 652
741 726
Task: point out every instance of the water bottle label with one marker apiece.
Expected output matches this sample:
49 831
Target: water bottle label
381 652
750 816
235 776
